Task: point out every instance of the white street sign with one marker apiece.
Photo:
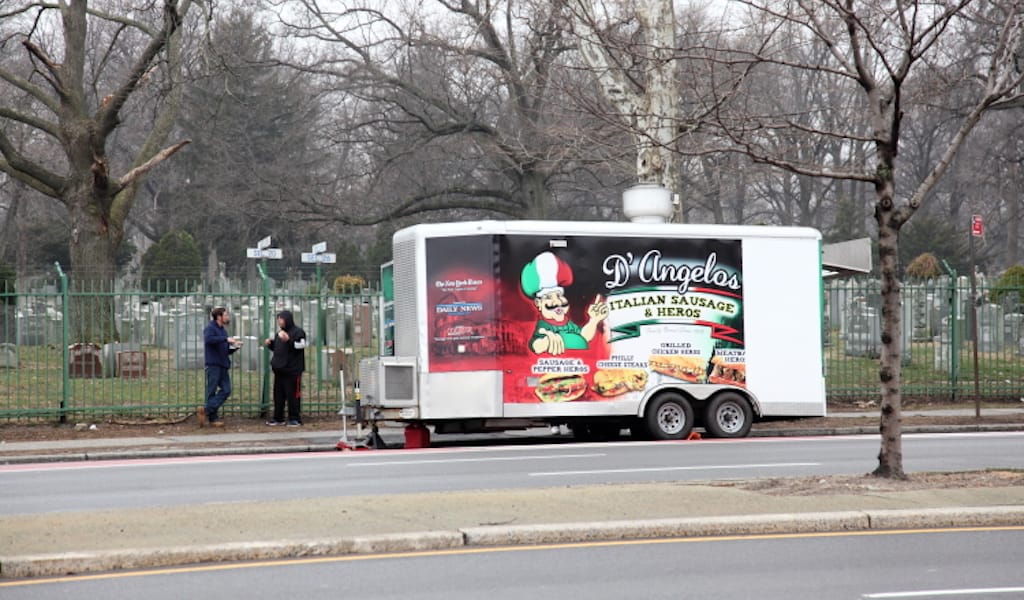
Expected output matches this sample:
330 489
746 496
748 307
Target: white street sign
321 247
274 253
326 257
264 243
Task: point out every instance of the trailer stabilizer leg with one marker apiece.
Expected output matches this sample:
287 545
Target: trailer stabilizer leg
373 440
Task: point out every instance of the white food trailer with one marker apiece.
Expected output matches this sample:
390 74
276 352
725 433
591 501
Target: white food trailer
600 326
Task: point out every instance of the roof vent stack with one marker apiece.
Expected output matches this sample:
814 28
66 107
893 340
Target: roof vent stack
647 203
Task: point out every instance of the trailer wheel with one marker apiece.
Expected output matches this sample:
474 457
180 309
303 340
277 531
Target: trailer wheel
728 416
669 417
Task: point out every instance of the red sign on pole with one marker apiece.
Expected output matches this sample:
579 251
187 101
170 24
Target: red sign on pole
977 226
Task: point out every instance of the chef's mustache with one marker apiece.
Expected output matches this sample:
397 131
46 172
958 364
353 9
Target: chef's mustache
558 304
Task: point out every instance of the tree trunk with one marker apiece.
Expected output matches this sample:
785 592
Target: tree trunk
93 245
890 457
534 192
1013 200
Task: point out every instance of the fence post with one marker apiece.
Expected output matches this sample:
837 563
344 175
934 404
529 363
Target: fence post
267 316
65 352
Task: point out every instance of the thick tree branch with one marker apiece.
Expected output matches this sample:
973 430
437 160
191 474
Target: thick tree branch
131 177
26 171
33 121
108 113
30 88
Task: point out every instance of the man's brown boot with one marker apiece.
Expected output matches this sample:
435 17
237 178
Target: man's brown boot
201 415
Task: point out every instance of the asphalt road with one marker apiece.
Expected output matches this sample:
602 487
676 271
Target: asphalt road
47 488
947 564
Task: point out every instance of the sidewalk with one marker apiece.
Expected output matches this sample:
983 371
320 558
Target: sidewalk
90 541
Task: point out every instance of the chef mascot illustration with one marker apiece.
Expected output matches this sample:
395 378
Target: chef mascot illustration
543 280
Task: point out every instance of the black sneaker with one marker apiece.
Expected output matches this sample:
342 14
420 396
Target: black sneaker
275 423
294 423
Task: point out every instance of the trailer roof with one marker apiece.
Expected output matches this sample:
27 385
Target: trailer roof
564 228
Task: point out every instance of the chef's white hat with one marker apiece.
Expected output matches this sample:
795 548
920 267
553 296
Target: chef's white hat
545 274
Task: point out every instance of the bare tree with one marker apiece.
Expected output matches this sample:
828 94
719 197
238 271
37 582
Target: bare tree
879 48
638 79
450 104
87 65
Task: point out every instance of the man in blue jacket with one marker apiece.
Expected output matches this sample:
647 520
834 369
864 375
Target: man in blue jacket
219 347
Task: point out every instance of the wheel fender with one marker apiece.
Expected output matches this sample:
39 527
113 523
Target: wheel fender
651 394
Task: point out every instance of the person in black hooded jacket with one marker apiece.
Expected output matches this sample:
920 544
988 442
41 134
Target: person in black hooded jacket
288 361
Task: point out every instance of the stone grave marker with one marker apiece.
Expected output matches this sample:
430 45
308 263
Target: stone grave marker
189 352
85 361
248 356
31 329
1013 330
8 356
110 352
131 364
990 328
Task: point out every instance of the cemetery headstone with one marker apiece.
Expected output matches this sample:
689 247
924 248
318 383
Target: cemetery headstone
248 356
8 356
1013 331
990 328
188 344
131 364
31 329
8 324
110 352
85 361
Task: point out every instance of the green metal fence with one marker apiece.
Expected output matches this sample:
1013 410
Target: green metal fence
944 327
49 371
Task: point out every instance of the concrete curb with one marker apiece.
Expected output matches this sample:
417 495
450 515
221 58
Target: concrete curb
873 430
180 452
562 533
184 451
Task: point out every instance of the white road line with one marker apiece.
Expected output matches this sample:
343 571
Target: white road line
661 469
388 463
942 593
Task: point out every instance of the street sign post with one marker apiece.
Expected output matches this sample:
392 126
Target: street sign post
319 256
977 230
263 251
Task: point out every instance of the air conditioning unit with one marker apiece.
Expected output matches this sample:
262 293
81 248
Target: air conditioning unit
388 381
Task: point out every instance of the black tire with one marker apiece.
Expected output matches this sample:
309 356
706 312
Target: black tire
728 415
669 417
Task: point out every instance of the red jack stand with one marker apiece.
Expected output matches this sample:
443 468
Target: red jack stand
694 436
417 436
